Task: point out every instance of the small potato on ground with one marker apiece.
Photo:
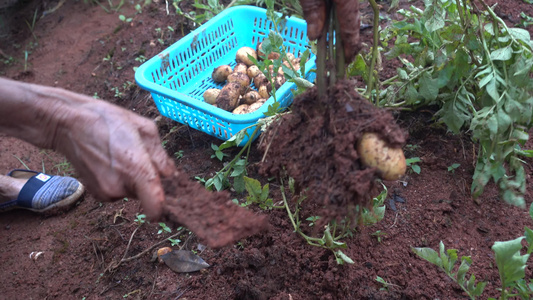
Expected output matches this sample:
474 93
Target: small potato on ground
374 153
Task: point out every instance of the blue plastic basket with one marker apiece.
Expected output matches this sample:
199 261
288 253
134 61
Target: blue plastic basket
178 76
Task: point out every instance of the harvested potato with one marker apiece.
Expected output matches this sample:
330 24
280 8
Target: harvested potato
263 91
255 106
229 96
242 79
260 80
273 55
290 57
279 80
390 162
262 55
253 71
220 73
241 109
242 55
210 95
240 68
251 97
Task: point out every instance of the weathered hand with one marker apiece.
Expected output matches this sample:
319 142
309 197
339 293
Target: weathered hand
316 14
116 152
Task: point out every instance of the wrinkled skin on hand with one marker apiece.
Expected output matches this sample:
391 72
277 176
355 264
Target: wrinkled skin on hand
116 152
347 13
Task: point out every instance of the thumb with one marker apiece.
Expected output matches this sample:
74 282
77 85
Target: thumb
151 194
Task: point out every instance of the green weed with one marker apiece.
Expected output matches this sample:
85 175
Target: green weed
509 259
412 163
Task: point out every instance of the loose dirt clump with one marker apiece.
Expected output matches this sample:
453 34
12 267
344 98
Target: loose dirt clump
210 215
315 145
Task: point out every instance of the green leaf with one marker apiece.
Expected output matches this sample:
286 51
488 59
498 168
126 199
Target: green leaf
429 88
434 16
511 265
520 34
463 268
238 184
344 257
502 54
528 233
253 186
428 254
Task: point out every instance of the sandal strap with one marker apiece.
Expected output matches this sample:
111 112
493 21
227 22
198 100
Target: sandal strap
28 191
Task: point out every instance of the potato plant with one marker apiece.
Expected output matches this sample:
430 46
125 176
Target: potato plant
477 70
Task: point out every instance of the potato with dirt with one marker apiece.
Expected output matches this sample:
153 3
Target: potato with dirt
250 97
241 109
210 95
242 79
242 55
229 96
241 68
255 106
221 73
253 71
260 80
375 153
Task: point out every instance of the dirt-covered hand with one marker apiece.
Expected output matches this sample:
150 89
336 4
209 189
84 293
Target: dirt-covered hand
116 152
316 14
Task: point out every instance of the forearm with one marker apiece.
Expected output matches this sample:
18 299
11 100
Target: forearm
36 113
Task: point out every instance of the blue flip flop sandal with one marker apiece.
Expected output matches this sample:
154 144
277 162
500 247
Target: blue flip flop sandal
43 192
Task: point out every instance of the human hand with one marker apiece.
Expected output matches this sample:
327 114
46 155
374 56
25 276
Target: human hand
116 152
316 14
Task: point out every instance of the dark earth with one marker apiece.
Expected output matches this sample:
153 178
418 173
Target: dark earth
84 47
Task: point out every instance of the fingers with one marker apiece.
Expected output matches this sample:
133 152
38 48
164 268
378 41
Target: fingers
315 12
149 134
149 191
349 22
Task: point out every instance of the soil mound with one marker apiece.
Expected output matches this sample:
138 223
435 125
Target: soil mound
315 145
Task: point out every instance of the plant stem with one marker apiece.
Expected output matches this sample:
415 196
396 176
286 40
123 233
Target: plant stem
375 50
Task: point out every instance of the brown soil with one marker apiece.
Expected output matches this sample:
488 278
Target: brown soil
210 215
328 130
82 48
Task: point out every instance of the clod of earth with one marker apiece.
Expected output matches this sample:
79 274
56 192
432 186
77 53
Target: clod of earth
316 145
210 215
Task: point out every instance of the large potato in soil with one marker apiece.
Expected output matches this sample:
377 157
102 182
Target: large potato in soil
373 152
229 96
